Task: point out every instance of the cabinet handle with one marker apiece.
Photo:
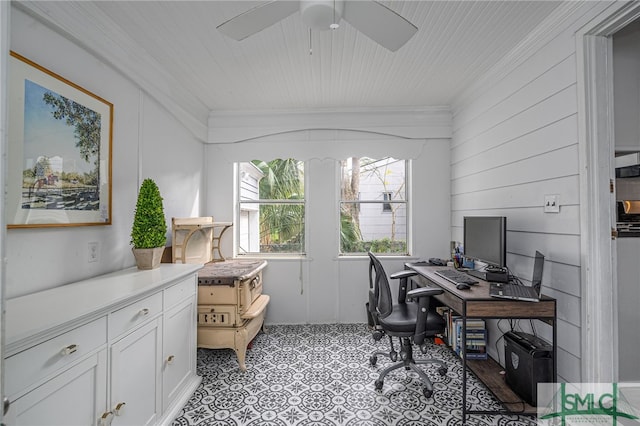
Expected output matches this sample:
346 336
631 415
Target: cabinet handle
69 350
6 403
144 311
170 359
118 409
105 419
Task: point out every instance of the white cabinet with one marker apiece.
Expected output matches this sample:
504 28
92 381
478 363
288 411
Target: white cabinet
178 354
113 350
135 377
626 88
77 396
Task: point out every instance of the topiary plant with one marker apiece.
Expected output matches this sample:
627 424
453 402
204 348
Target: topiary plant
149 228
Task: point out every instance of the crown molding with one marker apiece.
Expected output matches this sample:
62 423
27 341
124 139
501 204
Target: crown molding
86 25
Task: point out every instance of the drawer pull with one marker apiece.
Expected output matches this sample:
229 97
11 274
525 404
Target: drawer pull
105 419
69 350
254 283
170 359
118 409
144 311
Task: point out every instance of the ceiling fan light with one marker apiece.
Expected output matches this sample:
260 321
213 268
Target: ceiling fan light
320 14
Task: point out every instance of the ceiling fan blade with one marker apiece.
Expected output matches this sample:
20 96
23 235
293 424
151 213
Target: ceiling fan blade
257 19
379 23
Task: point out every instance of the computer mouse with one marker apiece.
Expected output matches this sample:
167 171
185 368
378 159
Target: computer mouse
463 286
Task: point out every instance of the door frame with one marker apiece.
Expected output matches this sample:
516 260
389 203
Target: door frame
594 49
5 8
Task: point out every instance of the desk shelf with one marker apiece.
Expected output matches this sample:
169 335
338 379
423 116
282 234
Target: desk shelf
201 233
489 373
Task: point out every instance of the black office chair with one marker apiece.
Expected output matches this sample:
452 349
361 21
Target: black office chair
411 322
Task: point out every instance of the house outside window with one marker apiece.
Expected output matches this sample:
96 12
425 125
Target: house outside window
271 207
373 206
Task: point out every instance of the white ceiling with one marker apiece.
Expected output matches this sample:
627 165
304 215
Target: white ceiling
177 50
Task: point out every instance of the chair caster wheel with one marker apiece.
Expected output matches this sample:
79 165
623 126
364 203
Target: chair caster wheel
393 355
424 348
377 335
373 360
442 371
404 355
428 393
379 384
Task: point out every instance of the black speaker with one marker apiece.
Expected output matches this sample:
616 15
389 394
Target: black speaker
528 361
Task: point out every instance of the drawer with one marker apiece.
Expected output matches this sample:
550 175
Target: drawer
32 365
218 315
241 293
178 292
217 294
134 314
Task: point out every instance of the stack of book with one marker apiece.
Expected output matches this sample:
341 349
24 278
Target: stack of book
476 334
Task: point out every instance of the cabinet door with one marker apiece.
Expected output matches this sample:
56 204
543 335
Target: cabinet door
178 349
135 376
77 396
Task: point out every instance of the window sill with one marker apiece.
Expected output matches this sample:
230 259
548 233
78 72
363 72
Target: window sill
406 258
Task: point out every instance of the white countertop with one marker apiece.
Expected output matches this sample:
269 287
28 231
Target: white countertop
34 314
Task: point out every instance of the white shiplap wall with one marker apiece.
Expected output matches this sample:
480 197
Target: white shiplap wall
515 139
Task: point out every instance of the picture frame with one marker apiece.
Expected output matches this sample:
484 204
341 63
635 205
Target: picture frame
59 150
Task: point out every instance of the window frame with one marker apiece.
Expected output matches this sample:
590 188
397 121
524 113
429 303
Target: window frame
406 201
387 196
238 211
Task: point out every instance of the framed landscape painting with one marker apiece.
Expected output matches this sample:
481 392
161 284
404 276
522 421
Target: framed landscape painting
59 150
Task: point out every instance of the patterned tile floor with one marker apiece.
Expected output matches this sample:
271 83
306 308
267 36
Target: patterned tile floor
303 375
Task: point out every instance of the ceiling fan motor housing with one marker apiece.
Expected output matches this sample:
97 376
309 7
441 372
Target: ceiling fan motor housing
320 14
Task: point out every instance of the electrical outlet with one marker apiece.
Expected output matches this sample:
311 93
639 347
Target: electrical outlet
94 252
552 203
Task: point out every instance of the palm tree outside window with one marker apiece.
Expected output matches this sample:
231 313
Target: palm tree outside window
271 207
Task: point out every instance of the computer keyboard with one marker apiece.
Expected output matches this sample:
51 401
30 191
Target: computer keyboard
517 290
456 277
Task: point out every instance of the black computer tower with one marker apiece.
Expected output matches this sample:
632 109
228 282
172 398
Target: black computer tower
528 361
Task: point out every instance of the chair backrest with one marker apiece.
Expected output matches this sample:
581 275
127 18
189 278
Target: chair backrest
382 290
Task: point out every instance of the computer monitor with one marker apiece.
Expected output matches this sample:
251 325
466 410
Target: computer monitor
485 239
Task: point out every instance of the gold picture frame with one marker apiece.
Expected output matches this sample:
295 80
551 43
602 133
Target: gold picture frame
59 150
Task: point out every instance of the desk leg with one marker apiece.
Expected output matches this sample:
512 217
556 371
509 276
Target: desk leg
555 345
464 363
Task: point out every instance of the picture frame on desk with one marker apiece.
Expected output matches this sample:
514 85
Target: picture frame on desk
59 150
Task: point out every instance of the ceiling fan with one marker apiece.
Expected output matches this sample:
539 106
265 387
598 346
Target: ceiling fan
373 19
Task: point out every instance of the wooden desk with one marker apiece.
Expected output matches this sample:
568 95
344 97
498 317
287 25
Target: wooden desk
476 303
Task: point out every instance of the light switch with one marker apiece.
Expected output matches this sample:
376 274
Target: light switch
552 203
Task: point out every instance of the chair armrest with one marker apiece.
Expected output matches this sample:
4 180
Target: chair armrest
422 294
406 273
403 276
424 291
